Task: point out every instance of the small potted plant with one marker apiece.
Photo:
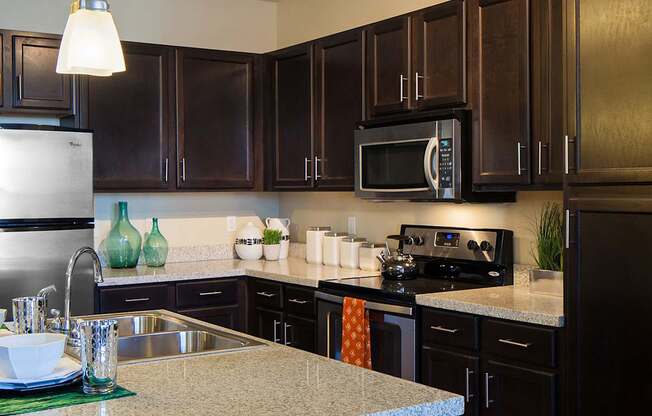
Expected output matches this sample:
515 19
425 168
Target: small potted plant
548 251
272 243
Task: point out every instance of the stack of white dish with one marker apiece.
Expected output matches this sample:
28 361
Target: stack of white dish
35 361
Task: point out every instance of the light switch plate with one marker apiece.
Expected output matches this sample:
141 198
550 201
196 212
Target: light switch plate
352 225
230 223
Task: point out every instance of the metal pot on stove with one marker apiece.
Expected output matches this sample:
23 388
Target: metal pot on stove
399 265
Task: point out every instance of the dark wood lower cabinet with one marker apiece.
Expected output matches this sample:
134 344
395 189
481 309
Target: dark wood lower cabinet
226 316
300 333
269 325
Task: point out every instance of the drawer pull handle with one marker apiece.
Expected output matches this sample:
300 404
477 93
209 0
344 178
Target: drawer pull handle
210 293
487 400
300 302
267 295
447 330
137 300
468 385
514 343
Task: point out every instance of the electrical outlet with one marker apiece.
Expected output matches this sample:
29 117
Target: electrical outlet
352 225
230 223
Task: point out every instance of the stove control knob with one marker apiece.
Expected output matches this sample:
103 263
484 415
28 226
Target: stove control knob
486 246
417 240
472 245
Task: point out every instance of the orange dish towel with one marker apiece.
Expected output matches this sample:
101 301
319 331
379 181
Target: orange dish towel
356 340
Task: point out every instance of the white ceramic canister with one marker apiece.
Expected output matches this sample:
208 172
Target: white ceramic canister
349 252
314 244
368 256
249 242
283 225
331 245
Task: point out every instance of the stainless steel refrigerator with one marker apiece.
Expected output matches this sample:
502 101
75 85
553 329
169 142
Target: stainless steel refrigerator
46 213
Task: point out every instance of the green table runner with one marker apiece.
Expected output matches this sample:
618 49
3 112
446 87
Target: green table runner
17 403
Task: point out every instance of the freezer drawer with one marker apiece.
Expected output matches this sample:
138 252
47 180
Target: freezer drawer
31 260
45 174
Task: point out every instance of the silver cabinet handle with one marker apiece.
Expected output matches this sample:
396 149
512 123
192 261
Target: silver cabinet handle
305 169
487 401
19 81
514 343
275 324
317 175
540 146
402 89
300 302
468 394
285 333
566 162
183 169
167 168
137 300
518 157
210 293
267 295
447 330
567 228
417 77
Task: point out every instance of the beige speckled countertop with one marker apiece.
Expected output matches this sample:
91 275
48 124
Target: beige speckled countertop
505 302
291 270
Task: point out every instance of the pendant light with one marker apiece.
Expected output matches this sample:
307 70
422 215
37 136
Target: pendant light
90 44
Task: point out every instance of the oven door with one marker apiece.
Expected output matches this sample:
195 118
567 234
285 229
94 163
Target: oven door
393 340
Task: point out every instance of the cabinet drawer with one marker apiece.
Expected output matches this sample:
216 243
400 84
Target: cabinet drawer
452 329
299 301
135 298
209 293
524 343
267 294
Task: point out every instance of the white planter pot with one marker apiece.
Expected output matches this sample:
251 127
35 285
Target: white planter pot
272 251
547 282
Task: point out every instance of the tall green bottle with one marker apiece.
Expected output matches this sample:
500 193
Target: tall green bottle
123 243
156 247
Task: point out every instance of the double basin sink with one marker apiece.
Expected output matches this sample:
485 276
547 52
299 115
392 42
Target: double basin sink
153 335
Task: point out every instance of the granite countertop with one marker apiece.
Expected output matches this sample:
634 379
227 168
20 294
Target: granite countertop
291 270
268 380
505 302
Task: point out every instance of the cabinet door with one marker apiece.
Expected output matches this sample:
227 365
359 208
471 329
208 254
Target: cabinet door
2 70
131 114
608 270
457 373
215 110
226 316
439 55
338 107
36 82
388 66
516 391
546 45
292 162
611 56
501 117
299 333
269 324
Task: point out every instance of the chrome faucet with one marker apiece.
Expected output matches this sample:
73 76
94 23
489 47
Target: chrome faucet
65 326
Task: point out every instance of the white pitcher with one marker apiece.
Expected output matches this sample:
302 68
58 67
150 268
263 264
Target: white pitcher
281 224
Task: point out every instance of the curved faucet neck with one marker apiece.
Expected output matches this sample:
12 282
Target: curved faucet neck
97 271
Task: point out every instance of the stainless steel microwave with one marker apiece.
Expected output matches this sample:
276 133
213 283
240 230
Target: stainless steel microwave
423 161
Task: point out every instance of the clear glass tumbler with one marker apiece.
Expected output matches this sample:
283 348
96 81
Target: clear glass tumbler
29 314
99 355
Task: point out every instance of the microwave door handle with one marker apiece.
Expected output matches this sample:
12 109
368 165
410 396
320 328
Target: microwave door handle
431 177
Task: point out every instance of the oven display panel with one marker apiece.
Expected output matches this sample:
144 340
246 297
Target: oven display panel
444 239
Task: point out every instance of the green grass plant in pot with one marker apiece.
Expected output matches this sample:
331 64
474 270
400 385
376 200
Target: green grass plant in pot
272 243
548 251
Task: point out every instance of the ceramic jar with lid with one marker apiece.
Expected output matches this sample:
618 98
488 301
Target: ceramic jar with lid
249 242
314 244
369 253
331 247
349 252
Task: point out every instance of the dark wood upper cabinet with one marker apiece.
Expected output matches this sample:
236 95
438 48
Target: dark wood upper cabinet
608 111
36 84
439 55
388 66
339 84
292 117
132 116
215 119
501 116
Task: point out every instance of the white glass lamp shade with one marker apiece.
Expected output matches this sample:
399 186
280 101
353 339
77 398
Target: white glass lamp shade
90 45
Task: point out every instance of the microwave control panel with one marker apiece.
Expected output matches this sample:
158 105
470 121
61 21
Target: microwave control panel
446 163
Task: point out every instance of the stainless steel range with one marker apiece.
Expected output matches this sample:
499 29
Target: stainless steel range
448 258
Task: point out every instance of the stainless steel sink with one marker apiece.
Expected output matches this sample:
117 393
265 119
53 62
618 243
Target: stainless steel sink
154 335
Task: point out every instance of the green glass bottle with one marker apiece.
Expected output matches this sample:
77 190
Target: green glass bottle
123 243
156 247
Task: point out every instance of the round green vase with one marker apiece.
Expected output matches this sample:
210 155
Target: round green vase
156 247
123 243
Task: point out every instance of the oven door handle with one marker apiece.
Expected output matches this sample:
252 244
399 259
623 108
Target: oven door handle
431 177
372 306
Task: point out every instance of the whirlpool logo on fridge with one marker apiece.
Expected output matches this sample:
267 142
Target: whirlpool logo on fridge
74 143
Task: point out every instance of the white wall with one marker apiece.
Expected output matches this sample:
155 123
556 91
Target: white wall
242 25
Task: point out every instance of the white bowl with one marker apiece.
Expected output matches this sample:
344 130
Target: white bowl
30 356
